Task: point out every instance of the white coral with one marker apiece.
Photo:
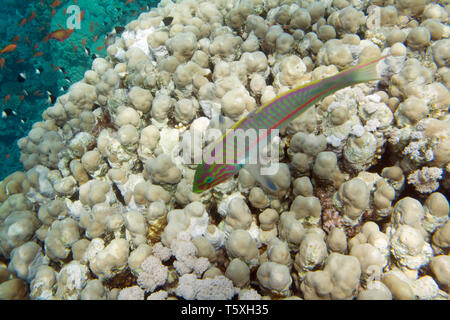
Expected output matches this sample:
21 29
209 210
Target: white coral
217 288
131 293
185 253
161 252
153 274
426 179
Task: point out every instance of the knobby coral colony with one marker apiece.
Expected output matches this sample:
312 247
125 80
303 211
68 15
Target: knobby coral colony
276 114
105 208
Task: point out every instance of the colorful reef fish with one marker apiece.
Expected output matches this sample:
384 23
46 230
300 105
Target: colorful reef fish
8 48
56 3
277 114
60 35
32 16
38 54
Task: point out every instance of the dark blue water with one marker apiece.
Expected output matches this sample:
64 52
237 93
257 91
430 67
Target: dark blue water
38 69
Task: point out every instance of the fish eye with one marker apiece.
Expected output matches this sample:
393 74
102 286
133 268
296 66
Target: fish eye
209 179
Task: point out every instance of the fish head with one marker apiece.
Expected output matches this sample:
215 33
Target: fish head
208 176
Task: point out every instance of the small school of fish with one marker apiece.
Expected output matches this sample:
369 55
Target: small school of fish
26 61
8 54
275 114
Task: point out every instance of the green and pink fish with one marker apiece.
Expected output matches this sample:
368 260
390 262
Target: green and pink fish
277 114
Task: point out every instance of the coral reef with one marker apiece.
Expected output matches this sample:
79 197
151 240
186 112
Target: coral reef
50 67
105 207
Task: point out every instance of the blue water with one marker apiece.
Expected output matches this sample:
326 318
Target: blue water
60 63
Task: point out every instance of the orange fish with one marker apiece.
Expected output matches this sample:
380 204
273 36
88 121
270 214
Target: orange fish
38 54
36 46
7 156
37 93
82 14
129 1
83 42
64 11
75 48
95 38
60 35
20 61
6 98
15 39
92 26
2 62
21 97
99 48
55 3
27 40
41 28
9 48
23 22
32 16
53 13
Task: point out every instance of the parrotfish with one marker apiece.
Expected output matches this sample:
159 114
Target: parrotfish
276 114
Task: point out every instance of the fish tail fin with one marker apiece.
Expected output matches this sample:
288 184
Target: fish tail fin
367 71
